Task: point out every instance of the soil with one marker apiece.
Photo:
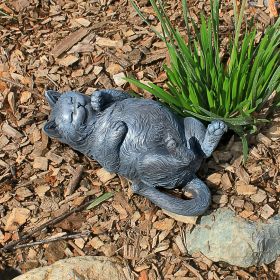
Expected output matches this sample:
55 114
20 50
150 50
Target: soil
88 45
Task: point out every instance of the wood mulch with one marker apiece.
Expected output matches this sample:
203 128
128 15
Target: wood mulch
88 45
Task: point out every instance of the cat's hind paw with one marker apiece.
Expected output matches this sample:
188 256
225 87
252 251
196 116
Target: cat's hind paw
217 128
214 133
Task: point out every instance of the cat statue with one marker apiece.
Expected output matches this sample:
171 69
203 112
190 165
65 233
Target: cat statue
139 139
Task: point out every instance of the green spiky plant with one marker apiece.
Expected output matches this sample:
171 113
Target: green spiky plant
201 84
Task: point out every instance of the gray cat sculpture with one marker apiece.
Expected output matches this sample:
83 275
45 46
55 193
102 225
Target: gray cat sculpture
139 139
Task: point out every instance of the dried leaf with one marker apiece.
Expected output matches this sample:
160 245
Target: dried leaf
143 275
104 176
245 189
25 96
119 79
17 217
41 163
20 5
10 131
266 211
106 42
12 102
165 224
68 60
180 218
225 181
214 179
82 21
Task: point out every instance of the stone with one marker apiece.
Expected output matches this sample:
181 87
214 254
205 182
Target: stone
86 268
108 250
223 236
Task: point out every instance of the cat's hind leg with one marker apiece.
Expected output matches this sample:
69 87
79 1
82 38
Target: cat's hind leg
194 128
207 139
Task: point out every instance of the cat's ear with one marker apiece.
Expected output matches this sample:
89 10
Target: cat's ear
52 97
51 130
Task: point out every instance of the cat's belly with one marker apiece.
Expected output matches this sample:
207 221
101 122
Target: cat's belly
149 125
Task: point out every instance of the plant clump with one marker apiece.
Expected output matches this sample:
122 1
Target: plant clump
201 83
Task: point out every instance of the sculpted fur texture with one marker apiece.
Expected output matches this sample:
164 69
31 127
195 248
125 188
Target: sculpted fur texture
139 139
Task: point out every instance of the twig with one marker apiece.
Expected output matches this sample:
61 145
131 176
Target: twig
193 270
58 219
19 85
45 241
74 181
12 82
49 77
6 175
4 14
123 62
79 251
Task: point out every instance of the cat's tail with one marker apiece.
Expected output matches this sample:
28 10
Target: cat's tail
193 207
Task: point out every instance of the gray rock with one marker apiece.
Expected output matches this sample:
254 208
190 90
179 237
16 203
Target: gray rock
222 236
78 268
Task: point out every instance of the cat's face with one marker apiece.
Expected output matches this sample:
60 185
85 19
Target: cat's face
71 118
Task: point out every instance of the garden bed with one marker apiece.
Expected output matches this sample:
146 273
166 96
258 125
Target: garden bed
42 49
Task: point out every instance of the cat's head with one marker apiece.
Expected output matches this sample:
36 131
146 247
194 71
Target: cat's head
72 118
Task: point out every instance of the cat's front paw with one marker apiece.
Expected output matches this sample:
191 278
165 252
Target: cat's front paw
217 128
97 101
